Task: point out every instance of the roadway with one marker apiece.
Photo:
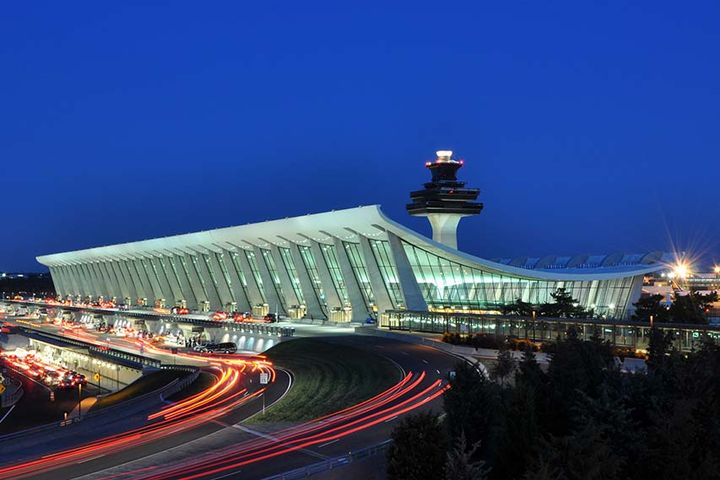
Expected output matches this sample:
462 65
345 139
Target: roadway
235 452
224 447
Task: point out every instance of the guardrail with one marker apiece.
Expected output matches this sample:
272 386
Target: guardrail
332 463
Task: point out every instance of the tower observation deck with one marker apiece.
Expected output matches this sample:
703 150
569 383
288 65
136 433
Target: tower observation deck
445 199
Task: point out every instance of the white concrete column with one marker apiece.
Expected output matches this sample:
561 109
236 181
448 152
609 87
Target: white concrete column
101 287
271 294
174 290
314 308
187 292
146 282
158 274
223 287
112 280
70 288
131 277
382 297
114 268
125 283
57 282
87 280
213 293
144 266
195 281
81 280
408 283
357 302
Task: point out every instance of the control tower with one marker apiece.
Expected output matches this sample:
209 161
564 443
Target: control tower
444 200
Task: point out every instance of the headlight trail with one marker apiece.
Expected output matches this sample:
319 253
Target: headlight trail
222 396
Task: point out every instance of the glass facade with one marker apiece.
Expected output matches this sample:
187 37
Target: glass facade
292 273
311 267
214 280
198 275
256 273
270 263
361 274
238 269
381 250
333 265
448 284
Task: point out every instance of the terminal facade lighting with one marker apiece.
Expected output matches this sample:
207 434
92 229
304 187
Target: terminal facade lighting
346 265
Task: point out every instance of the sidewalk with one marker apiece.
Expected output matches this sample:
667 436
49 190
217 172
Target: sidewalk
86 404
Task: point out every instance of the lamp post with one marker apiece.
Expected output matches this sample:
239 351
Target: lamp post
79 400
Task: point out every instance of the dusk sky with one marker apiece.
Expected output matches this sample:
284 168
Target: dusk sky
590 127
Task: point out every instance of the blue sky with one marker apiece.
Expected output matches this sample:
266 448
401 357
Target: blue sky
590 127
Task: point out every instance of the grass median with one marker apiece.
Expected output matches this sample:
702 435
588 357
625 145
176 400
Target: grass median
327 377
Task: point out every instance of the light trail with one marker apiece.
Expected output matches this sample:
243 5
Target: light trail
225 394
217 400
407 395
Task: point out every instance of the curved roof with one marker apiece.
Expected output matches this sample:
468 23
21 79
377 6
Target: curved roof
371 222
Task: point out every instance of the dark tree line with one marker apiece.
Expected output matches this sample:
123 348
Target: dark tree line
579 419
692 307
39 284
562 306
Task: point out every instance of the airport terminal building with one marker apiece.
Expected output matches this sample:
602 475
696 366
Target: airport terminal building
346 265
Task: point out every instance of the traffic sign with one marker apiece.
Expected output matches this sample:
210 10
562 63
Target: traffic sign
97 376
264 378
2 389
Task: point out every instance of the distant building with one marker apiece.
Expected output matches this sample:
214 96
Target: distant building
346 265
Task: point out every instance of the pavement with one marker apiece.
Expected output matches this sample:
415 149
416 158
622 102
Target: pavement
408 357
213 436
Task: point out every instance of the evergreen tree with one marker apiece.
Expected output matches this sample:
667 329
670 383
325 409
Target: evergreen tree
650 306
418 448
692 307
460 464
471 406
505 365
563 306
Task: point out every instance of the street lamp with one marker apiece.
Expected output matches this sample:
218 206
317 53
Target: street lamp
79 401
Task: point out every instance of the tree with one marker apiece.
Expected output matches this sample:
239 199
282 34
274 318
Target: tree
524 309
505 365
460 464
529 374
660 345
418 448
692 307
650 306
564 306
471 405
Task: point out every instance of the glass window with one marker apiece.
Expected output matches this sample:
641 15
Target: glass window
256 273
292 273
448 284
388 271
311 267
361 274
270 263
333 265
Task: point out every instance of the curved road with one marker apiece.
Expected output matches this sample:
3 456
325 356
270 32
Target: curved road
225 448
